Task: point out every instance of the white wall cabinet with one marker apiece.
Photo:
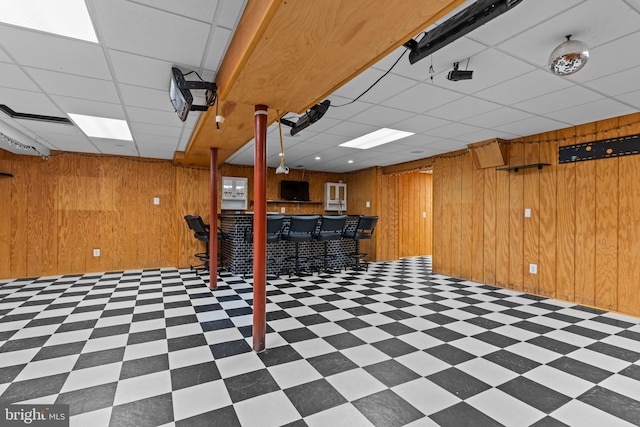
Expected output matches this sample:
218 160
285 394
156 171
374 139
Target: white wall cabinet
335 196
234 193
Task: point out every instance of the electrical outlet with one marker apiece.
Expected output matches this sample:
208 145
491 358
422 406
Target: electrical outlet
424 214
367 204
533 268
282 210
156 200
527 213
96 252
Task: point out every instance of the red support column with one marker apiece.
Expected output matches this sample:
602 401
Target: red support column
260 228
213 218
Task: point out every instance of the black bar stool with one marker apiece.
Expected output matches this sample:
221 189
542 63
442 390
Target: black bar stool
331 228
274 231
364 230
301 229
201 232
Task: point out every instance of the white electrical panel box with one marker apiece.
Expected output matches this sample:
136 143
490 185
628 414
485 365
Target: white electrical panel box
335 196
234 193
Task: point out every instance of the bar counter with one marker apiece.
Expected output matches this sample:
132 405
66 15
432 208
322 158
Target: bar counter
237 252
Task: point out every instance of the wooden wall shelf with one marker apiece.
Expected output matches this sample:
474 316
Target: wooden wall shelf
308 202
532 165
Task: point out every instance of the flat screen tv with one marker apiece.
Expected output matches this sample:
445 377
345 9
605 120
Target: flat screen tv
180 96
294 190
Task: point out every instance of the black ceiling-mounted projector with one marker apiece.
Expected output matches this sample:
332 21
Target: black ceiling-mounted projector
307 119
456 75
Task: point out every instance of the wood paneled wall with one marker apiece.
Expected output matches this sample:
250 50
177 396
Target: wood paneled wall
405 215
56 211
584 229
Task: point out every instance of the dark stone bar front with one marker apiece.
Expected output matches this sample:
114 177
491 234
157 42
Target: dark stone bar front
237 252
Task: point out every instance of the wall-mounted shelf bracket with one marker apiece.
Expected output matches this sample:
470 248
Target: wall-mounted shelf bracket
532 165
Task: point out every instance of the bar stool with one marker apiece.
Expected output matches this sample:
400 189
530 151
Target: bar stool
274 228
331 228
202 232
364 230
301 229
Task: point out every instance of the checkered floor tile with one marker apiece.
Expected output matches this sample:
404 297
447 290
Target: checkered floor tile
395 345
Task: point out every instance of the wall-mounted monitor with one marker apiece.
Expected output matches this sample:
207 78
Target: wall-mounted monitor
294 190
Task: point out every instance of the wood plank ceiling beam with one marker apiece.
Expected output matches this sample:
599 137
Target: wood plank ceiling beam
291 54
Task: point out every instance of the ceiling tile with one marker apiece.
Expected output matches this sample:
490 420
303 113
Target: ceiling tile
452 130
351 129
14 77
137 114
532 126
28 102
420 123
153 99
496 117
526 86
89 108
421 97
462 108
215 52
134 28
592 111
50 52
141 71
194 9
618 83
631 98
563 99
75 86
381 116
620 52
343 108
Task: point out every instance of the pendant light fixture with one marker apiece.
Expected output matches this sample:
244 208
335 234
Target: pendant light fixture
569 57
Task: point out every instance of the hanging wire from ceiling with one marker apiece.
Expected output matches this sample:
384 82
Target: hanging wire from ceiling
374 83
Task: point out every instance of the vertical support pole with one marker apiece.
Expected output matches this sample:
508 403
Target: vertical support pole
213 218
260 228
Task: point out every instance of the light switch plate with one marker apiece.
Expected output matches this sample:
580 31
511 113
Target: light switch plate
156 200
533 268
527 213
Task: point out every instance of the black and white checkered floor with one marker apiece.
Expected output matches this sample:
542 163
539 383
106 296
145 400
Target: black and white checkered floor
393 346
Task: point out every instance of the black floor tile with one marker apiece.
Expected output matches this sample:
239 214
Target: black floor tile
615 351
34 388
512 361
458 383
394 347
252 384
144 366
496 339
344 340
223 417
191 375
387 409
331 363
534 394
189 341
230 348
314 397
613 403
98 358
146 336
60 350
450 354
462 414
580 369
296 335
88 399
391 373
154 411
278 355
553 345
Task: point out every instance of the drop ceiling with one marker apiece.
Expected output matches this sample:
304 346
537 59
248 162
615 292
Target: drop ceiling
512 94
